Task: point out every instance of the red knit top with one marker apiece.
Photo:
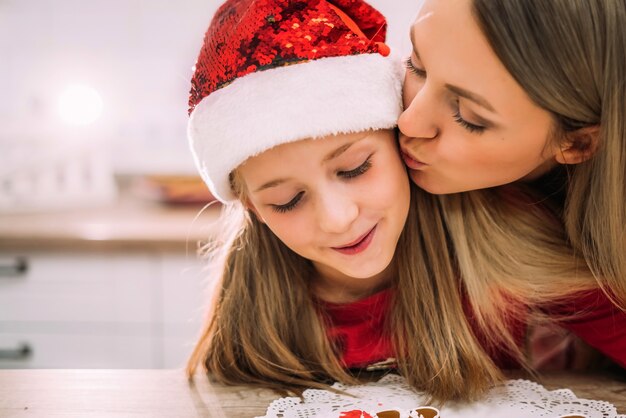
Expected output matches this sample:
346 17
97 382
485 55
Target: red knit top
357 328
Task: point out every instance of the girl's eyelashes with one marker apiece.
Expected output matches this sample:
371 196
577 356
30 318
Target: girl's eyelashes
412 68
367 164
289 205
357 171
472 128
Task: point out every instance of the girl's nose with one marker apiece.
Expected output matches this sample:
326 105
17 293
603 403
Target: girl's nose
337 211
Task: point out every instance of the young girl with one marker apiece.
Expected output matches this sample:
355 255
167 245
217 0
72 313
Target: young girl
532 93
293 105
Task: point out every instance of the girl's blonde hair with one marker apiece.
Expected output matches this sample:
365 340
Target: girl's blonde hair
267 329
496 256
568 55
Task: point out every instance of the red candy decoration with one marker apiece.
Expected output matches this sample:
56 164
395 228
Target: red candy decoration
356 413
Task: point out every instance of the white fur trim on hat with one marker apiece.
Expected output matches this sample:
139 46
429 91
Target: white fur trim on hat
307 100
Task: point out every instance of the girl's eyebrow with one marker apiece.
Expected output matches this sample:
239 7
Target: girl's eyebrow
336 153
331 155
272 183
343 148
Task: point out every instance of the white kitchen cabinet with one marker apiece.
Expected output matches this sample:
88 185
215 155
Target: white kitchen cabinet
104 309
79 349
185 300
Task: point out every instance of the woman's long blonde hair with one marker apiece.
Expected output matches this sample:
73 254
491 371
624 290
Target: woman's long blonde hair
568 55
266 329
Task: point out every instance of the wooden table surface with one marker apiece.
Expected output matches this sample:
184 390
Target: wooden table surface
166 393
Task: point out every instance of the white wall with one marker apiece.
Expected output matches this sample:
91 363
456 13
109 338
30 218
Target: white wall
137 53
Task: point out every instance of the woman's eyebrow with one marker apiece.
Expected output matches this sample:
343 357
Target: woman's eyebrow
479 100
412 37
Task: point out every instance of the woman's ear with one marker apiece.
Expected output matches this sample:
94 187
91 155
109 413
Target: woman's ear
578 146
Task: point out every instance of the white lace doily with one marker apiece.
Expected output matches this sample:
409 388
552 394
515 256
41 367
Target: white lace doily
515 399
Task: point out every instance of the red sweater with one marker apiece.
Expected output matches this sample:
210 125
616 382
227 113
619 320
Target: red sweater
357 328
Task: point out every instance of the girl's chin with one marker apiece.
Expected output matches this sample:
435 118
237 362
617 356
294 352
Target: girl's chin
364 273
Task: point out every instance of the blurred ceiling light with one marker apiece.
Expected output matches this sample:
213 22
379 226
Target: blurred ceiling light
80 104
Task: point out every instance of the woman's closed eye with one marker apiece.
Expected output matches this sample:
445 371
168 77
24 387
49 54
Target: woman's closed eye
458 118
470 127
421 73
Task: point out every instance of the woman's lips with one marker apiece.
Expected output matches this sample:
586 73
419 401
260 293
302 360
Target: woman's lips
411 162
359 245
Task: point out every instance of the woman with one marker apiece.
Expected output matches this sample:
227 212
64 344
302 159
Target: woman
526 92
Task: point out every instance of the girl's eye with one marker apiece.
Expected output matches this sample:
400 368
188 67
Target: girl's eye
412 68
472 128
289 205
345 174
357 171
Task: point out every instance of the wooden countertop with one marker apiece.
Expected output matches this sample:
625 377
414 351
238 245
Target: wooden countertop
131 223
166 393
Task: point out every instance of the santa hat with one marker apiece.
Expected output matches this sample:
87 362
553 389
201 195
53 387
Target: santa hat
276 71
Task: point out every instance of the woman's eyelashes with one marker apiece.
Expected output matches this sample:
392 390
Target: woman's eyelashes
345 174
413 69
470 127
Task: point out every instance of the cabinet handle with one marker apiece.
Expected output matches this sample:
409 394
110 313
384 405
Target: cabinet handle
16 269
20 353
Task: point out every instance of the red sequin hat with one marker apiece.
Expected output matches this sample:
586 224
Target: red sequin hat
276 71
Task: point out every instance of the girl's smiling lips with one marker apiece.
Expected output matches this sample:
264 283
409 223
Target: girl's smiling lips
411 162
358 245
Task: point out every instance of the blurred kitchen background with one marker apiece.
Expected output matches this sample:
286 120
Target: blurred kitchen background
101 213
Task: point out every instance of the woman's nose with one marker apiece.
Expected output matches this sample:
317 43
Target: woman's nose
419 117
